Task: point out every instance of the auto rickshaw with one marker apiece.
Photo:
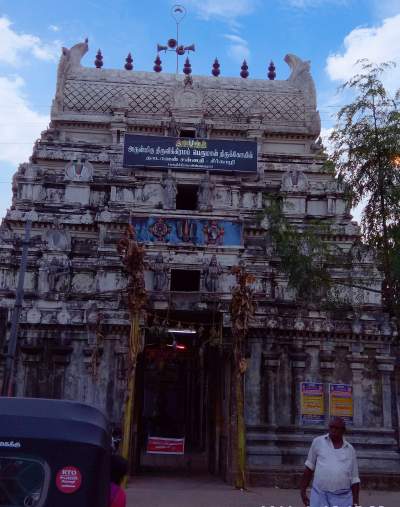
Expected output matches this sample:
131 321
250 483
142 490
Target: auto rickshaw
53 453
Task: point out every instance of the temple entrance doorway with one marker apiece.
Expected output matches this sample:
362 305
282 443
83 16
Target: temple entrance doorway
182 396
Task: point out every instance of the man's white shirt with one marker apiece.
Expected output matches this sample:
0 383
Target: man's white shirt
334 469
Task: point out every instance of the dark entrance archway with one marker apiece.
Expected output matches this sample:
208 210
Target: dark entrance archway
182 397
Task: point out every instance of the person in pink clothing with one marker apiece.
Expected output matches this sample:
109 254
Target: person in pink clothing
118 470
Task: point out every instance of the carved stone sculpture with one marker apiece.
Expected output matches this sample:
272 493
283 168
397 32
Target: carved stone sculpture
79 170
212 273
169 191
59 274
202 129
70 59
294 181
362 254
7 236
57 239
186 230
173 129
205 193
317 146
213 233
105 215
54 275
30 171
55 195
159 269
87 218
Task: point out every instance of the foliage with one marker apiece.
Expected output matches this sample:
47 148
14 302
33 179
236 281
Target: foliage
242 309
394 260
132 255
304 254
366 150
242 305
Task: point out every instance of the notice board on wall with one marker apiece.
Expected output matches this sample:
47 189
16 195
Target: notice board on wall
341 401
192 154
312 403
165 445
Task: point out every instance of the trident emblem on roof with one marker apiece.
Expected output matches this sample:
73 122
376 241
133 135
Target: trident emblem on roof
178 13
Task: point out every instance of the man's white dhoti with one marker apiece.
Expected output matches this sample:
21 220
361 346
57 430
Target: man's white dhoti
341 498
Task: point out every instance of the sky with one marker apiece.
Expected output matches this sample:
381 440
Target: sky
332 34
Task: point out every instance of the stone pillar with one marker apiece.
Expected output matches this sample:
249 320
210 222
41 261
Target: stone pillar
298 362
32 355
271 365
253 383
312 348
327 365
331 206
386 367
357 362
259 200
113 194
235 198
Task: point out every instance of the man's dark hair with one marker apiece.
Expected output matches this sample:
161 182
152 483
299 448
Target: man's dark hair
118 468
338 420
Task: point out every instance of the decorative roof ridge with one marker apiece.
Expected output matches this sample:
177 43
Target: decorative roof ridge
103 76
70 68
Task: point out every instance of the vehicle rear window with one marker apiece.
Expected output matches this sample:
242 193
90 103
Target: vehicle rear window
24 481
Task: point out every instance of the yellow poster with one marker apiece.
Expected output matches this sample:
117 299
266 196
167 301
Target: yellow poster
341 401
312 403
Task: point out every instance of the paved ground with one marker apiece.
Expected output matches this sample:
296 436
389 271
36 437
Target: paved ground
153 491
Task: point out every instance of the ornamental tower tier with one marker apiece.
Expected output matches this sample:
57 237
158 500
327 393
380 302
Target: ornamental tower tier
191 163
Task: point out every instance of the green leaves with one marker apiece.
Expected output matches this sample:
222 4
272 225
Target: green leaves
304 255
366 142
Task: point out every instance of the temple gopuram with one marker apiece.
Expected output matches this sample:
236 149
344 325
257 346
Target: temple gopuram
183 167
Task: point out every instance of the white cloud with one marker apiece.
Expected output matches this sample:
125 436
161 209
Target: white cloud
54 28
20 126
378 44
12 45
238 50
227 10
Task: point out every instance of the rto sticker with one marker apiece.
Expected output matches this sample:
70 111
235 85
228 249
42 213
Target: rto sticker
68 480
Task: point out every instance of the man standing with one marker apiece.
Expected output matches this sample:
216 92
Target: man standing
333 462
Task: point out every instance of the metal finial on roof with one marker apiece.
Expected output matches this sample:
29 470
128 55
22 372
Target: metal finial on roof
99 60
157 67
271 71
129 61
178 13
216 68
187 68
244 73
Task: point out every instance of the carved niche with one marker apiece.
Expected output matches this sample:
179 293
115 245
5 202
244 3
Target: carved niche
188 99
79 170
294 181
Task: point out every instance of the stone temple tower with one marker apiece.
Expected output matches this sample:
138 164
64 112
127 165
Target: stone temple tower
190 162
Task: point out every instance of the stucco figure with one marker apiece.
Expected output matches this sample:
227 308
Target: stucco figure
205 193
169 190
159 269
212 273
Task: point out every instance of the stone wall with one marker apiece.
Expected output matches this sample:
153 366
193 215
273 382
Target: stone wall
74 322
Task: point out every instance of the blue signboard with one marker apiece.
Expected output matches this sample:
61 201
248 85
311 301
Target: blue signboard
188 230
187 153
